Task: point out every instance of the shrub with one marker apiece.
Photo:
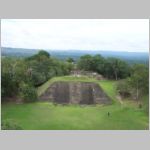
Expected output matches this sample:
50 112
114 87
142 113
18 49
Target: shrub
38 78
123 88
28 92
10 125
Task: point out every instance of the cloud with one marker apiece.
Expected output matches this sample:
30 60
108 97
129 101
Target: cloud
86 34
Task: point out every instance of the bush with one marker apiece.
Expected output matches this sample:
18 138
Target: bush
123 88
28 92
10 125
38 78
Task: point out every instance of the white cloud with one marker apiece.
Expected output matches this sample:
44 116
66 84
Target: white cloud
90 34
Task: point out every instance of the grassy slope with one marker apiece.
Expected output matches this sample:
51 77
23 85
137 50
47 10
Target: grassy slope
47 116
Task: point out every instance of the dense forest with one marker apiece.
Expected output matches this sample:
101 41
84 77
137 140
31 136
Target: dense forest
21 76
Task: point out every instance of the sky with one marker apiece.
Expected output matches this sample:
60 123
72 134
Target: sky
77 34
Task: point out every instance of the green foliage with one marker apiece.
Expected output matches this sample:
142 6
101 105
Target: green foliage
139 79
137 85
13 72
28 92
70 60
124 88
43 53
10 125
112 68
34 70
141 74
116 68
39 70
85 62
98 64
43 68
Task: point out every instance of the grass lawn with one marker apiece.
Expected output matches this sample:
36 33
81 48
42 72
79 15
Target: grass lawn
45 115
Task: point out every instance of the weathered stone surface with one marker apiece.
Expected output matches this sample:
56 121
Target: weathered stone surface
75 93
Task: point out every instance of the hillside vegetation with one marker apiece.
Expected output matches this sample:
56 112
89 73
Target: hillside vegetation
45 115
24 80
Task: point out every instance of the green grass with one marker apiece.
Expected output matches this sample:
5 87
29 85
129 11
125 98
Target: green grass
45 115
109 87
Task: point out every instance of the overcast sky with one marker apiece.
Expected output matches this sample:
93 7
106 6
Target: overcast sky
81 34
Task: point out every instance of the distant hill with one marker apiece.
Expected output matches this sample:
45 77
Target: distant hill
130 57
17 52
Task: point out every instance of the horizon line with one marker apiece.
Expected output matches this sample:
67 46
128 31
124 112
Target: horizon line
36 49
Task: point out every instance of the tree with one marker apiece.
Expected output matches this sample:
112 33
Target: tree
28 92
13 71
85 62
139 79
40 56
98 64
41 68
113 68
70 60
44 53
124 88
116 68
20 76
